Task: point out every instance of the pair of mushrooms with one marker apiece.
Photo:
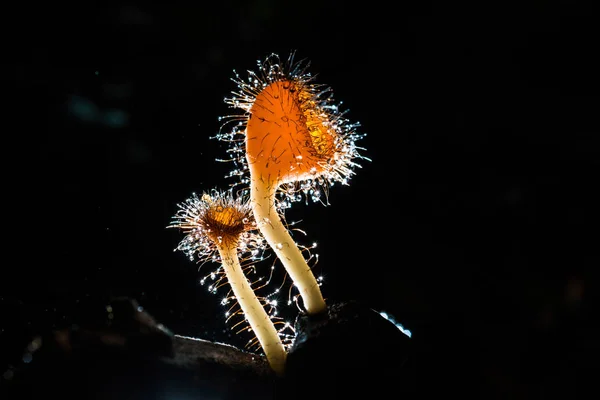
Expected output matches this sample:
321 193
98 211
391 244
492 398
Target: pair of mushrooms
289 141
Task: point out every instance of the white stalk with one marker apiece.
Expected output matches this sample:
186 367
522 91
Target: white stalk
253 310
262 197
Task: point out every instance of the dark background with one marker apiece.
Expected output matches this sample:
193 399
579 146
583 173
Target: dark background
474 225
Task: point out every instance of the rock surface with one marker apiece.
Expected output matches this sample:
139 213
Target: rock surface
350 348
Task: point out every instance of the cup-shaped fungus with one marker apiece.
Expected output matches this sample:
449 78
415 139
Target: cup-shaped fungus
221 228
295 142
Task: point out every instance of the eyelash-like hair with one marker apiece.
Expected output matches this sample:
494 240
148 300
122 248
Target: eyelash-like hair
317 103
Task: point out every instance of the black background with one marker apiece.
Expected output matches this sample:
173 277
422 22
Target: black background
474 225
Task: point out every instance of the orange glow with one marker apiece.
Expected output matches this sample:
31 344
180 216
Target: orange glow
225 224
287 140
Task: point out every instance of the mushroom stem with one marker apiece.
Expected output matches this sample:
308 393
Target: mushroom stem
253 310
269 222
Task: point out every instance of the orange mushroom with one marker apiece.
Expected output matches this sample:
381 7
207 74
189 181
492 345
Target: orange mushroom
296 143
221 228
